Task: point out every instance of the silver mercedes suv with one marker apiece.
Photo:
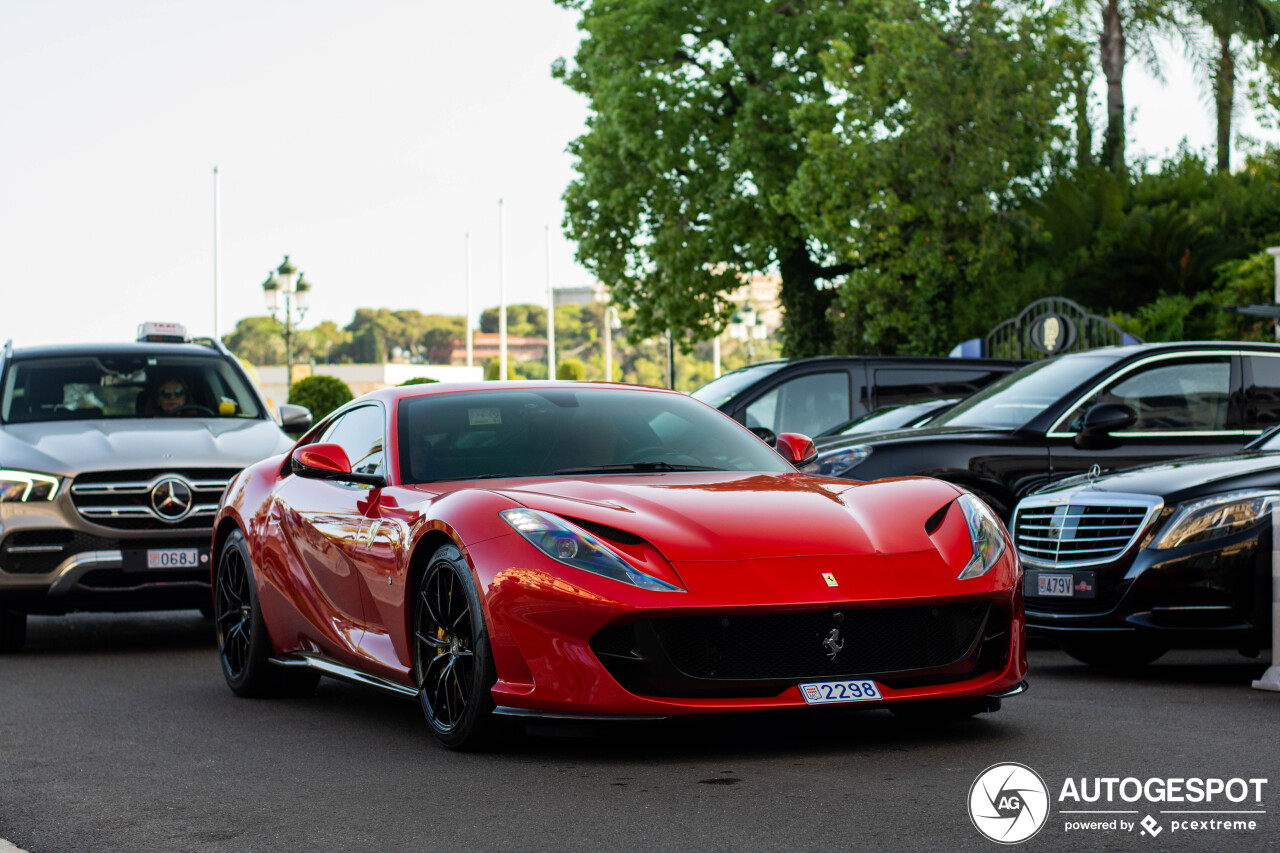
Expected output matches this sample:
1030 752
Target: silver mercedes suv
112 461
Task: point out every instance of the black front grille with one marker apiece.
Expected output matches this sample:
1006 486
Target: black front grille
38 552
765 653
122 499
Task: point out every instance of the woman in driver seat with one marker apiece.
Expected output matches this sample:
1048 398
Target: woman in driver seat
168 397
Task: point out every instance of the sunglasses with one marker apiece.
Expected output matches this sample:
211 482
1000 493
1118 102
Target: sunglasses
171 393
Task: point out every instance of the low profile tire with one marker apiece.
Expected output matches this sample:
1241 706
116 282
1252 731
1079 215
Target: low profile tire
1116 655
940 710
452 660
244 647
13 631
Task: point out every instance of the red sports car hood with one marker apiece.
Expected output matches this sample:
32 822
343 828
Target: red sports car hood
699 517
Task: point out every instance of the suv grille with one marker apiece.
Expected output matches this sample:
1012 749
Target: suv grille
152 499
1090 529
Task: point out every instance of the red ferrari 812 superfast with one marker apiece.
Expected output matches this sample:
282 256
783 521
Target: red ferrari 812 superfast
592 551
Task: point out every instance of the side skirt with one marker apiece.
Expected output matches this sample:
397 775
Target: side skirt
336 670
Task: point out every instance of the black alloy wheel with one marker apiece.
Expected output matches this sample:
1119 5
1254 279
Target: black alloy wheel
452 660
244 647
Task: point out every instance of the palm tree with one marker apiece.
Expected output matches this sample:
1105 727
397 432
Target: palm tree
1126 25
1231 22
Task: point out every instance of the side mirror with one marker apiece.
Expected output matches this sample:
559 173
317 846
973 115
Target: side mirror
766 435
295 418
1102 420
796 448
329 462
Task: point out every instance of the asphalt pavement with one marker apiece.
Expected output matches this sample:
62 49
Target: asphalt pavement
117 733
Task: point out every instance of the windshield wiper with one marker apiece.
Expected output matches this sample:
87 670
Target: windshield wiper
633 467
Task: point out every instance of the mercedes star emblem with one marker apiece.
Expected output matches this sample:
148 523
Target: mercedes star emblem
171 499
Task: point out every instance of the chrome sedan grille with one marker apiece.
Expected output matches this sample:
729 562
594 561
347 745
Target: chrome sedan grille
182 499
1080 529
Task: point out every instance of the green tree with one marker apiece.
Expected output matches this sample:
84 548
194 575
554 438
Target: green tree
690 151
524 320
571 369
1233 24
418 380
1122 27
320 394
944 124
257 340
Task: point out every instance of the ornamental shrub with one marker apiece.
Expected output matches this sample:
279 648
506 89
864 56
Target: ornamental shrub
418 380
320 394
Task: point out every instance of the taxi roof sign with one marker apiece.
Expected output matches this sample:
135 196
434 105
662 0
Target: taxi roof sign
169 333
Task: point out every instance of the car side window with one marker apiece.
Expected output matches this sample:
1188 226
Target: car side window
1264 396
360 432
896 385
1182 396
807 404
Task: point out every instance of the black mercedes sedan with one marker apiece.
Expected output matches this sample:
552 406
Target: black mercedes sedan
1115 407
1121 568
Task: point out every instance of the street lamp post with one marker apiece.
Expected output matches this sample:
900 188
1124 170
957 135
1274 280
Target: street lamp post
285 281
747 326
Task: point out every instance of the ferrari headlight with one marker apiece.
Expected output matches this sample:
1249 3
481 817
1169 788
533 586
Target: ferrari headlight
575 547
23 486
1212 518
833 462
985 532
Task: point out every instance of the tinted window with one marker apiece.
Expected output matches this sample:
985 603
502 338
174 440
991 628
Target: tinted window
717 392
534 433
1014 400
359 432
1184 395
808 404
896 385
1265 394
58 388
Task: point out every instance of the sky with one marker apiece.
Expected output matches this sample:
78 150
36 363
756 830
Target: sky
365 140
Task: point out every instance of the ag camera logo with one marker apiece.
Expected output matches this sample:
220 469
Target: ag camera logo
1008 803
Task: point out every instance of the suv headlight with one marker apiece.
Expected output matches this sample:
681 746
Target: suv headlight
833 462
986 533
576 547
24 486
1215 517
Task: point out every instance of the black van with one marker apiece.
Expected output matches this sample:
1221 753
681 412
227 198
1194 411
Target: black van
813 395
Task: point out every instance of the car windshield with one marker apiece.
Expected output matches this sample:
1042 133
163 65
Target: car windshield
893 417
717 392
543 432
68 388
1014 400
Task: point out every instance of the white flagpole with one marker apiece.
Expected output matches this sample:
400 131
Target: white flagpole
217 284
466 241
502 298
551 313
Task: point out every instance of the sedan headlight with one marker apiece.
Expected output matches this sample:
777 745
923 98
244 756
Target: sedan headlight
833 462
24 486
575 547
1212 518
985 533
